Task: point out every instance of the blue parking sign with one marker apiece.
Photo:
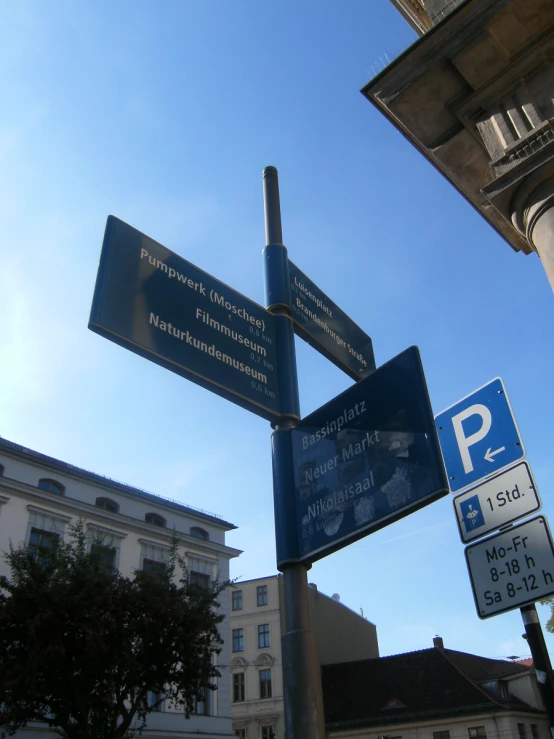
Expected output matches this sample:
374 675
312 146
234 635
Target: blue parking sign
479 436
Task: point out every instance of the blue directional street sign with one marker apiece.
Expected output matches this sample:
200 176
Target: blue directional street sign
327 328
365 459
158 305
479 436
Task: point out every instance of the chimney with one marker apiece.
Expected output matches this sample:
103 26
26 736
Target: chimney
437 642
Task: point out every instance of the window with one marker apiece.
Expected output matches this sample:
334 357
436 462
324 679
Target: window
156 569
241 733
104 555
198 578
40 544
199 533
441 735
477 732
263 636
154 557
261 595
1 470
44 528
238 640
51 486
238 687
521 731
155 701
202 570
202 702
155 519
268 732
107 504
237 600
265 683
535 731
105 546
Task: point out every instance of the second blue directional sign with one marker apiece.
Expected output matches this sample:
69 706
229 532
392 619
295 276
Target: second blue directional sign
327 328
362 461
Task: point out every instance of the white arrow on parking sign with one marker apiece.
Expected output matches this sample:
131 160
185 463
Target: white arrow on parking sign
489 456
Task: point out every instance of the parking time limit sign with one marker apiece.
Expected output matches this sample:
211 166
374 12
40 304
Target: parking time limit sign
512 569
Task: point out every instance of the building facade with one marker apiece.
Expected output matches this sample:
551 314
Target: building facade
40 497
257 624
433 693
475 95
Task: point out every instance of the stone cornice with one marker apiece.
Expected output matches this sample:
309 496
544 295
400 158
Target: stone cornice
75 508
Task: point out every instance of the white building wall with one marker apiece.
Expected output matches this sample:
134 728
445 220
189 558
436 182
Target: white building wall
526 689
13 522
22 503
131 505
224 659
501 725
254 713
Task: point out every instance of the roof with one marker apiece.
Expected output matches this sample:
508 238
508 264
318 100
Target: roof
408 687
481 669
471 27
257 579
29 455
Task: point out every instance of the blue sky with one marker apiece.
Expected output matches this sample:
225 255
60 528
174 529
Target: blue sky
165 114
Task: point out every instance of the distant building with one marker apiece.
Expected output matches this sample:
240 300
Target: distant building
41 496
475 95
433 694
257 623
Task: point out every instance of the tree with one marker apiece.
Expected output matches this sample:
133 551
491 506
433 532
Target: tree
549 602
83 648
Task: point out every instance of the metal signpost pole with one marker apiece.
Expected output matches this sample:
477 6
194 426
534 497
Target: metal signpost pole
301 676
541 660
165 309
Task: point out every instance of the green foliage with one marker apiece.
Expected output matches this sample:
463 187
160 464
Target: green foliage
81 645
549 602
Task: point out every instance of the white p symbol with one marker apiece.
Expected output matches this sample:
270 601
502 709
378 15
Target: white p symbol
463 441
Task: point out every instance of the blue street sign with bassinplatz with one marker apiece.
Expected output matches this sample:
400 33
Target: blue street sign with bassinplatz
158 305
365 459
479 436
